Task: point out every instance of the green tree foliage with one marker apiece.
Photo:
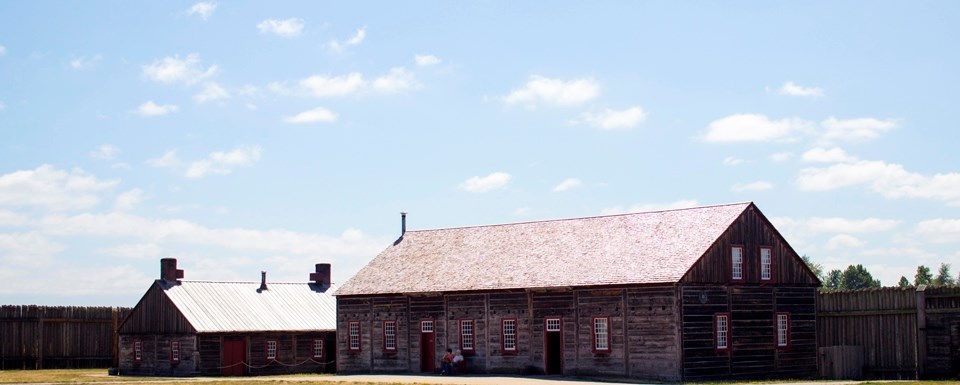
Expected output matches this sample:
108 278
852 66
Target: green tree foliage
834 280
943 277
923 276
904 282
857 277
816 268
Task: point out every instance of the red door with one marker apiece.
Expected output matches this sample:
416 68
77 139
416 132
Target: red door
428 359
234 357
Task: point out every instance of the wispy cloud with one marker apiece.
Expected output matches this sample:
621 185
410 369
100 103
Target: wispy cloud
568 184
105 152
639 208
172 69
221 163
316 115
3 50
397 80
855 129
792 89
615 120
84 62
167 160
888 179
752 186
211 91
732 161
781 156
288 28
326 86
755 128
203 9
52 188
153 109
823 155
357 38
426 60
128 200
482 184
559 92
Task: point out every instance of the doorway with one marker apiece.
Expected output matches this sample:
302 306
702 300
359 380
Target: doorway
428 358
553 346
234 357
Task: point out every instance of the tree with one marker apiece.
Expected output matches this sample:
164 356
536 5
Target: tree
834 280
816 268
923 276
943 276
904 282
857 277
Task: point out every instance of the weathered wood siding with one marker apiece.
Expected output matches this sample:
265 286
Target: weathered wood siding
753 352
751 230
156 314
46 337
942 317
156 355
653 333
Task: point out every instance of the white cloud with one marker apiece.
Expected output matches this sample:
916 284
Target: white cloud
732 161
754 128
167 160
288 28
752 186
398 80
211 91
356 39
53 189
172 69
105 152
844 225
324 86
822 155
316 115
120 166
889 179
426 60
680 204
855 129
3 50
615 120
843 241
31 250
481 184
128 200
2 106
940 230
153 109
567 184
781 156
792 89
133 251
84 62
554 91
204 9
223 162
12 219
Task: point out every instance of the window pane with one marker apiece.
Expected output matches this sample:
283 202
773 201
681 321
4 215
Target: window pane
737 262
765 262
390 335
466 334
509 334
601 333
317 348
354 335
722 327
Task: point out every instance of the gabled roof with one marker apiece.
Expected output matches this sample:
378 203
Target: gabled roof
639 248
214 307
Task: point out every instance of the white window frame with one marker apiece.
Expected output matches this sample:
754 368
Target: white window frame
783 330
137 351
271 349
353 335
390 335
601 334
766 263
426 326
317 348
175 352
466 334
721 331
553 324
736 263
509 334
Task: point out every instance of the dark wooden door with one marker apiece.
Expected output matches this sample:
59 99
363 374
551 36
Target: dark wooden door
553 347
428 358
234 357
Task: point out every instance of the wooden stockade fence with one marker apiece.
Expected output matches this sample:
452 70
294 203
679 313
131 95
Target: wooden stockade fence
45 337
903 333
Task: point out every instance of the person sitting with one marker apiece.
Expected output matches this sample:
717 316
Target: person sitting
458 363
446 364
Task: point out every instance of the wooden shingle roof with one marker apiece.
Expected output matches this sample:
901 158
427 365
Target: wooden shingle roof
639 248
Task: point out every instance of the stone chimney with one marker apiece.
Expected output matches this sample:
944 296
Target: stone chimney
322 275
403 223
169 271
263 281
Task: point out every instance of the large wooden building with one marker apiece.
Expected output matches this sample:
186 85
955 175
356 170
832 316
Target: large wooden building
186 328
677 295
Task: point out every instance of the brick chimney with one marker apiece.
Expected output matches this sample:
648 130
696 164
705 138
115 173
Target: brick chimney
169 271
322 275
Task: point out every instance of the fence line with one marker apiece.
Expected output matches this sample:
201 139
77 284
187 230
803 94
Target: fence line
44 337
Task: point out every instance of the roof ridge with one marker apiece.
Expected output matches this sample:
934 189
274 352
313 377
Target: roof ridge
245 282
581 218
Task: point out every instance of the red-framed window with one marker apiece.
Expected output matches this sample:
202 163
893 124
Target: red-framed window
553 324
721 331
390 336
783 330
766 263
137 351
271 349
508 335
317 348
736 263
353 336
174 352
601 334
466 335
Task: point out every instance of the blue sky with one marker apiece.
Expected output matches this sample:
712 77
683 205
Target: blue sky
250 136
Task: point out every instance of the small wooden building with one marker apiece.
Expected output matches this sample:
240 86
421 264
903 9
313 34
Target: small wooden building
187 328
678 295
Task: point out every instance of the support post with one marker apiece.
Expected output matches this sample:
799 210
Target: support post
921 352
